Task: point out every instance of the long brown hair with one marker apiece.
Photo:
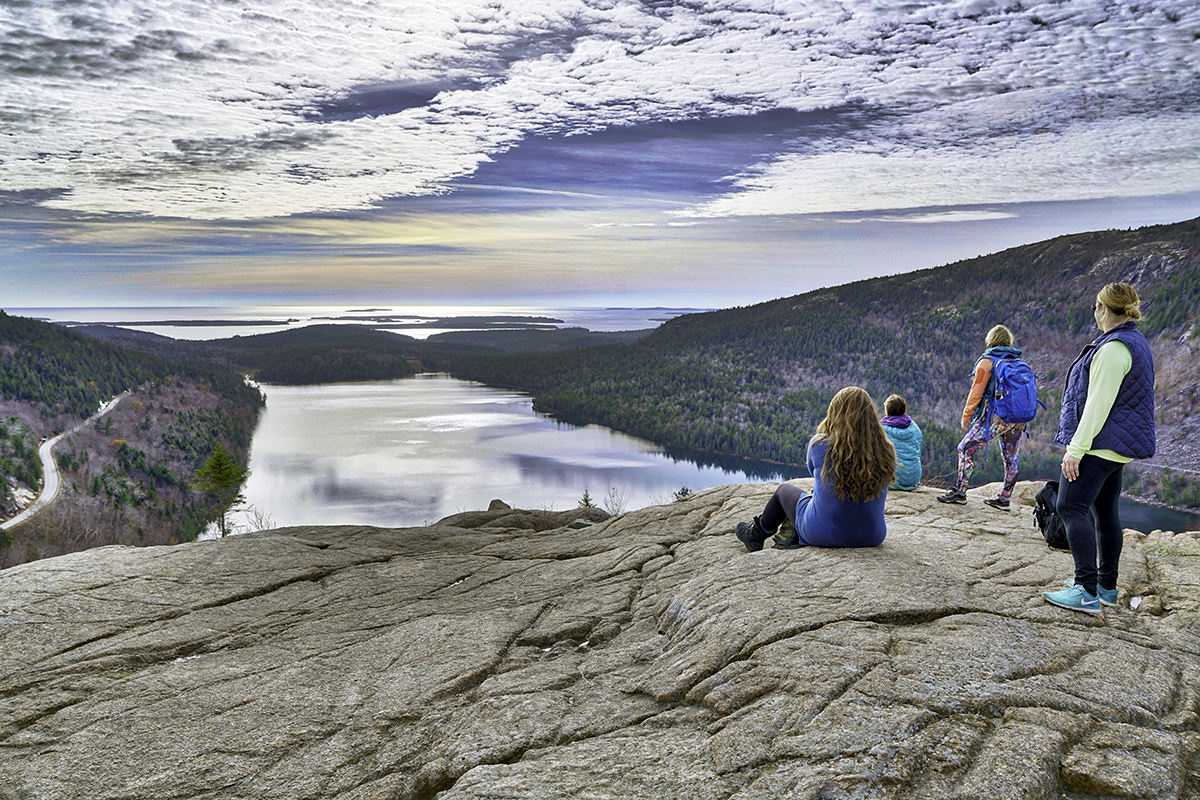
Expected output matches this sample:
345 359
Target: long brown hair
860 458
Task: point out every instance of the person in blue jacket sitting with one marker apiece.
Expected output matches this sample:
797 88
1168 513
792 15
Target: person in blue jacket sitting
906 438
851 461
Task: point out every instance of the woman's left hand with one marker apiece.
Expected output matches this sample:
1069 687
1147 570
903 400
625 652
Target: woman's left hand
1070 467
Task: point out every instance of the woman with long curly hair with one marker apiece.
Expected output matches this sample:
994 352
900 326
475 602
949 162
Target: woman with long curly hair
852 461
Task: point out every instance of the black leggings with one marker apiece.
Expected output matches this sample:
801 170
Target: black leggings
782 505
1098 486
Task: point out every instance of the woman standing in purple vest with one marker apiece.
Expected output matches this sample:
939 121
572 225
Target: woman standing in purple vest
1107 420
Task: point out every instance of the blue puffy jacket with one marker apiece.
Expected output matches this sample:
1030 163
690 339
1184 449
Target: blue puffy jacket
906 438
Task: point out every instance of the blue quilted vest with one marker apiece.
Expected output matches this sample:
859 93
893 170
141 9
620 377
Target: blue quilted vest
1129 430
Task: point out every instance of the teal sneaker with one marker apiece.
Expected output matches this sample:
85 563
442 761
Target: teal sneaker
1075 598
1107 597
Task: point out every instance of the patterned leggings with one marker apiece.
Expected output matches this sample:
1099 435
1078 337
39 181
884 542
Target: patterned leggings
1009 434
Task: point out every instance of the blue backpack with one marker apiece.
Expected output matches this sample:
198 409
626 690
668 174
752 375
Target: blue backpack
1014 398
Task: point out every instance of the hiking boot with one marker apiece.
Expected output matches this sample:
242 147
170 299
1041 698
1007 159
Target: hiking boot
1107 597
997 502
786 537
752 534
953 496
1075 598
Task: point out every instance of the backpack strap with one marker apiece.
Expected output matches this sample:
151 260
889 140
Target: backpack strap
990 401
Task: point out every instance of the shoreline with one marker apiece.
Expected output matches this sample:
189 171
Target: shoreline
1195 512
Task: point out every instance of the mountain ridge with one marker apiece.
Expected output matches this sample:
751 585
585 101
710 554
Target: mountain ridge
753 381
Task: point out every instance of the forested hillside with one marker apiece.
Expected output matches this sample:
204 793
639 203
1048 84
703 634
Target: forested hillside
60 373
754 381
126 478
321 354
313 354
20 467
329 353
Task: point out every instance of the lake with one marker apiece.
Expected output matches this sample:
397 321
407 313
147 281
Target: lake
413 450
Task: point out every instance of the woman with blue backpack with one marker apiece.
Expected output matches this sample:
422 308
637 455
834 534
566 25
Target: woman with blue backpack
1003 398
1107 420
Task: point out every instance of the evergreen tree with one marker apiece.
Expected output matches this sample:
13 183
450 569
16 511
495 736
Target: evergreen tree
586 501
222 476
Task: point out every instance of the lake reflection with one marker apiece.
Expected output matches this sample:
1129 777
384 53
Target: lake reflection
414 450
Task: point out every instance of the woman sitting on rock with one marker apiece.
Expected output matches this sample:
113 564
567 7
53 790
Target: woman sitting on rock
851 461
906 438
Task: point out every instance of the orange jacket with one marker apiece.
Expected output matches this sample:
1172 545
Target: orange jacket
983 372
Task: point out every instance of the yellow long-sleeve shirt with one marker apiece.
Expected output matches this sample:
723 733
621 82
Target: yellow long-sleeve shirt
1109 367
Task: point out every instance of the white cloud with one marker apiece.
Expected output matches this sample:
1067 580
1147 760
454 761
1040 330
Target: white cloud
203 110
934 217
1088 160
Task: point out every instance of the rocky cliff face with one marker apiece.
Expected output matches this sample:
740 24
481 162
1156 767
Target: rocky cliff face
502 654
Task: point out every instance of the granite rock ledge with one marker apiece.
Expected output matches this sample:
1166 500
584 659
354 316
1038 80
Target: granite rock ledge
503 654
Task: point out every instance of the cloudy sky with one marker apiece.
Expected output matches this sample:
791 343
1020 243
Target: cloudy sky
610 151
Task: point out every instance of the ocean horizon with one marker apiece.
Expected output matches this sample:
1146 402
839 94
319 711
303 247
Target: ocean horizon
419 321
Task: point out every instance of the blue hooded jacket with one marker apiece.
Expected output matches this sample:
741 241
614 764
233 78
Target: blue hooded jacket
906 438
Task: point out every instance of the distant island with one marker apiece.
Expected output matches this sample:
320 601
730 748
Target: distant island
390 321
183 323
399 321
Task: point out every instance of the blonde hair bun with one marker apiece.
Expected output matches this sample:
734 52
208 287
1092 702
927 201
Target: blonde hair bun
1122 298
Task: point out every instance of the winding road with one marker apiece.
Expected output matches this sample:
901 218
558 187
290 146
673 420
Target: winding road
50 482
